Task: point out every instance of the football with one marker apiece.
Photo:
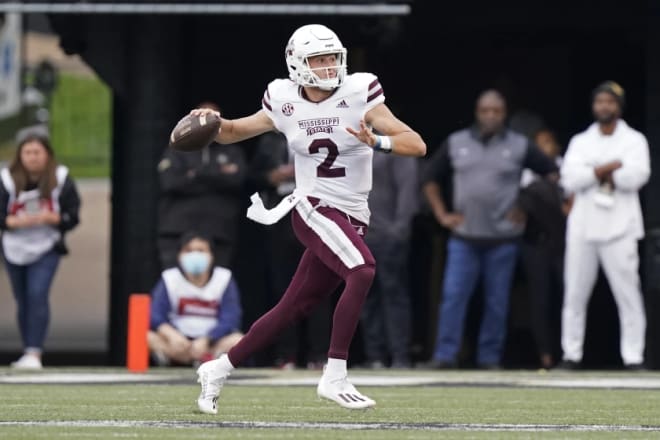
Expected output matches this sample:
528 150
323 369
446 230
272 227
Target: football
194 132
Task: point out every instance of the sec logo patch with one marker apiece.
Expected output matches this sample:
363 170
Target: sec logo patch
287 109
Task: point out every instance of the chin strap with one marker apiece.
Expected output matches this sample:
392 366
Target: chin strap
258 212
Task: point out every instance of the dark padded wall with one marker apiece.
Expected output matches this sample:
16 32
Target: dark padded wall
652 191
138 57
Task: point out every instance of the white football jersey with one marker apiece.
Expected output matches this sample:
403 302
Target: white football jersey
330 163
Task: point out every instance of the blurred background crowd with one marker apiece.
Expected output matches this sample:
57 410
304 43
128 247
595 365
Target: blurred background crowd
470 254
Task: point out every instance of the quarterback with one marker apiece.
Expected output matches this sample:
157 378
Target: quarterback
327 117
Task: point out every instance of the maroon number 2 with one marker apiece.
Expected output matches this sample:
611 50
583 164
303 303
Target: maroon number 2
325 169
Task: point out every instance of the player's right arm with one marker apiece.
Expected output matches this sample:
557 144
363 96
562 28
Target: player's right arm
236 130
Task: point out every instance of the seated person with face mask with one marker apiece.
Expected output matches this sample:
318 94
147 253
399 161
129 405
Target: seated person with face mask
195 307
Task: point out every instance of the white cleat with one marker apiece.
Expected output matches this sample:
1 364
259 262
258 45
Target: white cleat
343 392
211 378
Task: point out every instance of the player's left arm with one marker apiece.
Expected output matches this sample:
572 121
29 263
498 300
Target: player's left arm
394 133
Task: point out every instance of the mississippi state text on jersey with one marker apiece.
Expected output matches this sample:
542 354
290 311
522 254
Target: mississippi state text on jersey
330 163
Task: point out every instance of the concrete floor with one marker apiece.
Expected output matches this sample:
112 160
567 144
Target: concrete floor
79 295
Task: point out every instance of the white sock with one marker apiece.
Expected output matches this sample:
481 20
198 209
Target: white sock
335 368
224 364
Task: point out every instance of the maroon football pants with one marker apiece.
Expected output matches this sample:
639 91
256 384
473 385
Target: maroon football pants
335 252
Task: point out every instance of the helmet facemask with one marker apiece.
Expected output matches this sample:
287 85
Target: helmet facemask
314 76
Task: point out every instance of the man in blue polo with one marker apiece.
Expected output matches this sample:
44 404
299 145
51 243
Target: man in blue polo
482 165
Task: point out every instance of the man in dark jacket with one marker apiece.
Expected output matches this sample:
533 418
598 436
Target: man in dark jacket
542 255
201 191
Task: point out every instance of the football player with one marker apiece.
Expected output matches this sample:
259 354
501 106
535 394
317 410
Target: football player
334 122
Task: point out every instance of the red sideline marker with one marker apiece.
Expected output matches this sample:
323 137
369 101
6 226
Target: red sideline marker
137 351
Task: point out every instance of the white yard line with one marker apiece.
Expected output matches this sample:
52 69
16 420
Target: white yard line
411 378
93 378
343 426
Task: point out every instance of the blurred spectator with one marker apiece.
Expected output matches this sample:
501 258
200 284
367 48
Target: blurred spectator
542 252
271 173
485 162
605 166
201 191
195 307
546 140
39 203
526 122
386 314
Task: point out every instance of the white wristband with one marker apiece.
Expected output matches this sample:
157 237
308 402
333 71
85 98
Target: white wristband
384 144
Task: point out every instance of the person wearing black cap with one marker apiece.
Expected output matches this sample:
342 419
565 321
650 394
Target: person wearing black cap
605 166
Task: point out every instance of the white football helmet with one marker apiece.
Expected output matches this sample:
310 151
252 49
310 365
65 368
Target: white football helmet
308 41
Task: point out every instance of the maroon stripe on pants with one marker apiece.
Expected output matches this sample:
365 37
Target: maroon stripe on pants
319 273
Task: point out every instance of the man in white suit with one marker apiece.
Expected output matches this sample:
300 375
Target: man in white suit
605 166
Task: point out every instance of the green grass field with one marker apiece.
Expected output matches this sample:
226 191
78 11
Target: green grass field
268 404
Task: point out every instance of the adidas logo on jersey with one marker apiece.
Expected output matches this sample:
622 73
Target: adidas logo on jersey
342 104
